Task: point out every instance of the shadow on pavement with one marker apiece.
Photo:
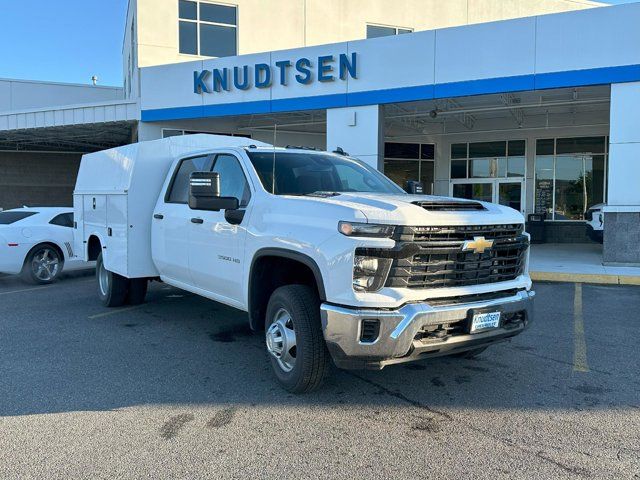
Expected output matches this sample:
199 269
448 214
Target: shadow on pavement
60 351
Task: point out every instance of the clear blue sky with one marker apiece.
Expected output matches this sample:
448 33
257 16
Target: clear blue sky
62 40
67 40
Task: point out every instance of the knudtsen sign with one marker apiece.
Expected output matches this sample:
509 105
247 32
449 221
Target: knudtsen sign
326 68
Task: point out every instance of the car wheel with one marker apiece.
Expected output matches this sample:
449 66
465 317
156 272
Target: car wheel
137 291
43 265
471 353
112 288
294 339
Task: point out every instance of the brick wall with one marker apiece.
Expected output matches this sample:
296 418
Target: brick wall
566 232
37 179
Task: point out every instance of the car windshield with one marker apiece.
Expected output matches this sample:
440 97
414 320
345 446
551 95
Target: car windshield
7 218
296 173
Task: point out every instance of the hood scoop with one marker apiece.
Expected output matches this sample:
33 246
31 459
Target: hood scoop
450 206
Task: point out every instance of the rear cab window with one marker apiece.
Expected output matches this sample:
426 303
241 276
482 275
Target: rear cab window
8 218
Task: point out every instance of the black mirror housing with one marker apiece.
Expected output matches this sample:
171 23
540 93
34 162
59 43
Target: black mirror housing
204 193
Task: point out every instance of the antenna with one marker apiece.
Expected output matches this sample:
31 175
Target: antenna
273 166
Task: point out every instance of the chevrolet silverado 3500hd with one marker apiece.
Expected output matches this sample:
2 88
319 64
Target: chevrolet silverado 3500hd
328 256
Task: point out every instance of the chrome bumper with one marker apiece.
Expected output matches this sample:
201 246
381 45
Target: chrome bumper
399 329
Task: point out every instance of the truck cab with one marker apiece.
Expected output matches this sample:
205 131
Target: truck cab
332 261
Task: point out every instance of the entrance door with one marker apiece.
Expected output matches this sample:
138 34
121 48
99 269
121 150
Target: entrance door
508 192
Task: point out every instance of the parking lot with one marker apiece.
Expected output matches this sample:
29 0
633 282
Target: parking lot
178 387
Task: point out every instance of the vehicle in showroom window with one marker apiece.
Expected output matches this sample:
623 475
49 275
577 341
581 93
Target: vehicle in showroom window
331 260
38 243
594 219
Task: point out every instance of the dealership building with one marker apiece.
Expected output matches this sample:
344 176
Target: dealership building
527 103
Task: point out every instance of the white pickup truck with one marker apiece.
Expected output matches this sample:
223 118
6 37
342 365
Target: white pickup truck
328 256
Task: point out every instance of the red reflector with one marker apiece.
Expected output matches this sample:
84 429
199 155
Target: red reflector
12 244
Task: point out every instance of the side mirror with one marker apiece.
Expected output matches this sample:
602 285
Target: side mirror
204 193
414 187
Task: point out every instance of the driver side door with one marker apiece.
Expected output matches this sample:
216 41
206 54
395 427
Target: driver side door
216 240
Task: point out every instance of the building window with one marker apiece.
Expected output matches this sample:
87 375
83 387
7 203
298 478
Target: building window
570 176
410 161
208 29
375 31
500 159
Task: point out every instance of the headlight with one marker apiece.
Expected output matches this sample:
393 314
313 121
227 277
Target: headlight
351 229
370 273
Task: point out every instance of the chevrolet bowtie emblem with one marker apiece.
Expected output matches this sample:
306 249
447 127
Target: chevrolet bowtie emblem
478 245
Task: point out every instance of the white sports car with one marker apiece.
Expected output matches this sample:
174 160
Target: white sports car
38 243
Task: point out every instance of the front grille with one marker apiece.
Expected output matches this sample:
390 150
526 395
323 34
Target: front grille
439 261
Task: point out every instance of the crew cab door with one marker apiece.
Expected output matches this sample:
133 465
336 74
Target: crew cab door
216 238
171 221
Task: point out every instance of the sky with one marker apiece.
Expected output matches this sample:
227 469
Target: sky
62 40
67 40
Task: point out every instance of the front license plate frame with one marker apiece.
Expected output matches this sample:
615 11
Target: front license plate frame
484 321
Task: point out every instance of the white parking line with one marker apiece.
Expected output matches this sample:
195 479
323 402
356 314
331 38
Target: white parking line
25 290
114 312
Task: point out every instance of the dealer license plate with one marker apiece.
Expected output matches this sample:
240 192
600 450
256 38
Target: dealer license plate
485 321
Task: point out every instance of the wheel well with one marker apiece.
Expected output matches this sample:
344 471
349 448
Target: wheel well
52 245
94 248
269 272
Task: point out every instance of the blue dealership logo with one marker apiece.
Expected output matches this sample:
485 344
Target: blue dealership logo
326 68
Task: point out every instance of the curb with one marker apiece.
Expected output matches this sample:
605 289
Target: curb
585 278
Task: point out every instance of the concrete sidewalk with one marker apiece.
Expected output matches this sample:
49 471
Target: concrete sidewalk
577 263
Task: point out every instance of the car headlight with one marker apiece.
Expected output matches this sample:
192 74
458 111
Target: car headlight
353 229
370 273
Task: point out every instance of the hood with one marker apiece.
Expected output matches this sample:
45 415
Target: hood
419 210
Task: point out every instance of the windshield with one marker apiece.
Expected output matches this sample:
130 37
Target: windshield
7 218
307 173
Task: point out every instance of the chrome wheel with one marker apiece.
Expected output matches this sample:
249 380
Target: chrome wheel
281 340
45 265
103 279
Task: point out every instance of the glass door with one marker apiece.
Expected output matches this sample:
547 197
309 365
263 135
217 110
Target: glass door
508 192
481 190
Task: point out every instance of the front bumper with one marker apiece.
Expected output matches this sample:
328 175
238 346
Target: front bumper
407 333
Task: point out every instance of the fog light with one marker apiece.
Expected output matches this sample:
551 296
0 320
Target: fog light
370 273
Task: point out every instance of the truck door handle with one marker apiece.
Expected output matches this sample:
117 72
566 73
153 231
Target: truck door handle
159 216
197 220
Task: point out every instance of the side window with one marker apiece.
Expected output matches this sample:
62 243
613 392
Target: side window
233 183
179 188
63 220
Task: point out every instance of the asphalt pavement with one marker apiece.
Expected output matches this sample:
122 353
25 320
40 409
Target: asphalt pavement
180 388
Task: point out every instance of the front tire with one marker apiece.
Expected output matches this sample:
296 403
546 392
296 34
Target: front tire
43 265
295 343
112 288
